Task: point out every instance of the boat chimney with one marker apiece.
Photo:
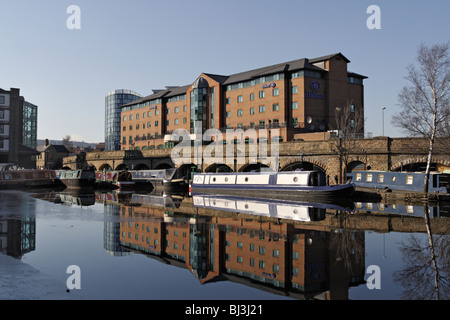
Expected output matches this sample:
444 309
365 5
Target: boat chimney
46 143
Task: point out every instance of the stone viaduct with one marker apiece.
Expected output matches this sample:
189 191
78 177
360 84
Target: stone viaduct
378 153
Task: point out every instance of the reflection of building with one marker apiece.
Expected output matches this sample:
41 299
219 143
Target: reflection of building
275 256
295 97
113 101
18 120
17 236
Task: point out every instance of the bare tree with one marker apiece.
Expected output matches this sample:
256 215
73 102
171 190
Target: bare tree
350 126
425 102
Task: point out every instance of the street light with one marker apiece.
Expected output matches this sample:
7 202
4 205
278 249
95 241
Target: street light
382 114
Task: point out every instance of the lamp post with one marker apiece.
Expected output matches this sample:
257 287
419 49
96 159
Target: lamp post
382 115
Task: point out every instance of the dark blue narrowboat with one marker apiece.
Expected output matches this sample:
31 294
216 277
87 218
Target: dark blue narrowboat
292 185
439 183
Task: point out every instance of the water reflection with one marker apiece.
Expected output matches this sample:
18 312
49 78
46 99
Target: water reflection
299 250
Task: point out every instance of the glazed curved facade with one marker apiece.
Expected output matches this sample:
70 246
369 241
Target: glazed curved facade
113 101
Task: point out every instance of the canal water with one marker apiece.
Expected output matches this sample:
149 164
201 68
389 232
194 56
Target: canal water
133 245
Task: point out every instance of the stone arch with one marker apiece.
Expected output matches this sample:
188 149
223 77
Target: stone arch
163 165
105 166
258 167
218 167
122 166
307 166
185 171
356 165
141 166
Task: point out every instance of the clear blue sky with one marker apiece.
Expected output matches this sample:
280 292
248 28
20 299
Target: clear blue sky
143 45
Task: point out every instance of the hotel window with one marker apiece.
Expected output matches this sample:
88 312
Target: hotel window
240 259
2 99
184 108
137 126
262 109
352 123
168 111
124 140
156 112
149 124
352 108
184 120
175 110
175 121
262 264
240 113
276 123
252 111
240 99
294 89
294 105
124 117
409 179
252 262
131 117
252 124
240 125
228 114
276 107
149 114
124 128
156 123
137 115
167 122
381 178
131 127
295 122
227 100
262 94
276 253
252 96
276 92
262 124
276 268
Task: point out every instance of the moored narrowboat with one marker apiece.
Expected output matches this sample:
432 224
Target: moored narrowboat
114 179
12 178
409 184
292 185
74 179
163 179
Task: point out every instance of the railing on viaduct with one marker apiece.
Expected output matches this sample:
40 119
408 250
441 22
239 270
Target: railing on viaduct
334 157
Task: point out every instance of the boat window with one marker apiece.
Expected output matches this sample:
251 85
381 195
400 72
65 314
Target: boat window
369 177
409 179
358 176
381 178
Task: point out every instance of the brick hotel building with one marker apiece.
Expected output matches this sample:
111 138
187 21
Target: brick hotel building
299 98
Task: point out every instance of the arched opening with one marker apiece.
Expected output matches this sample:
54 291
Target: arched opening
416 167
122 166
105 166
308 166
256 167
141 166
163 166
186 171
218 167
356 165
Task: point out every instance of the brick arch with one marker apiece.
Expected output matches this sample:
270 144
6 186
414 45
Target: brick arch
311 161
213 167
436 160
